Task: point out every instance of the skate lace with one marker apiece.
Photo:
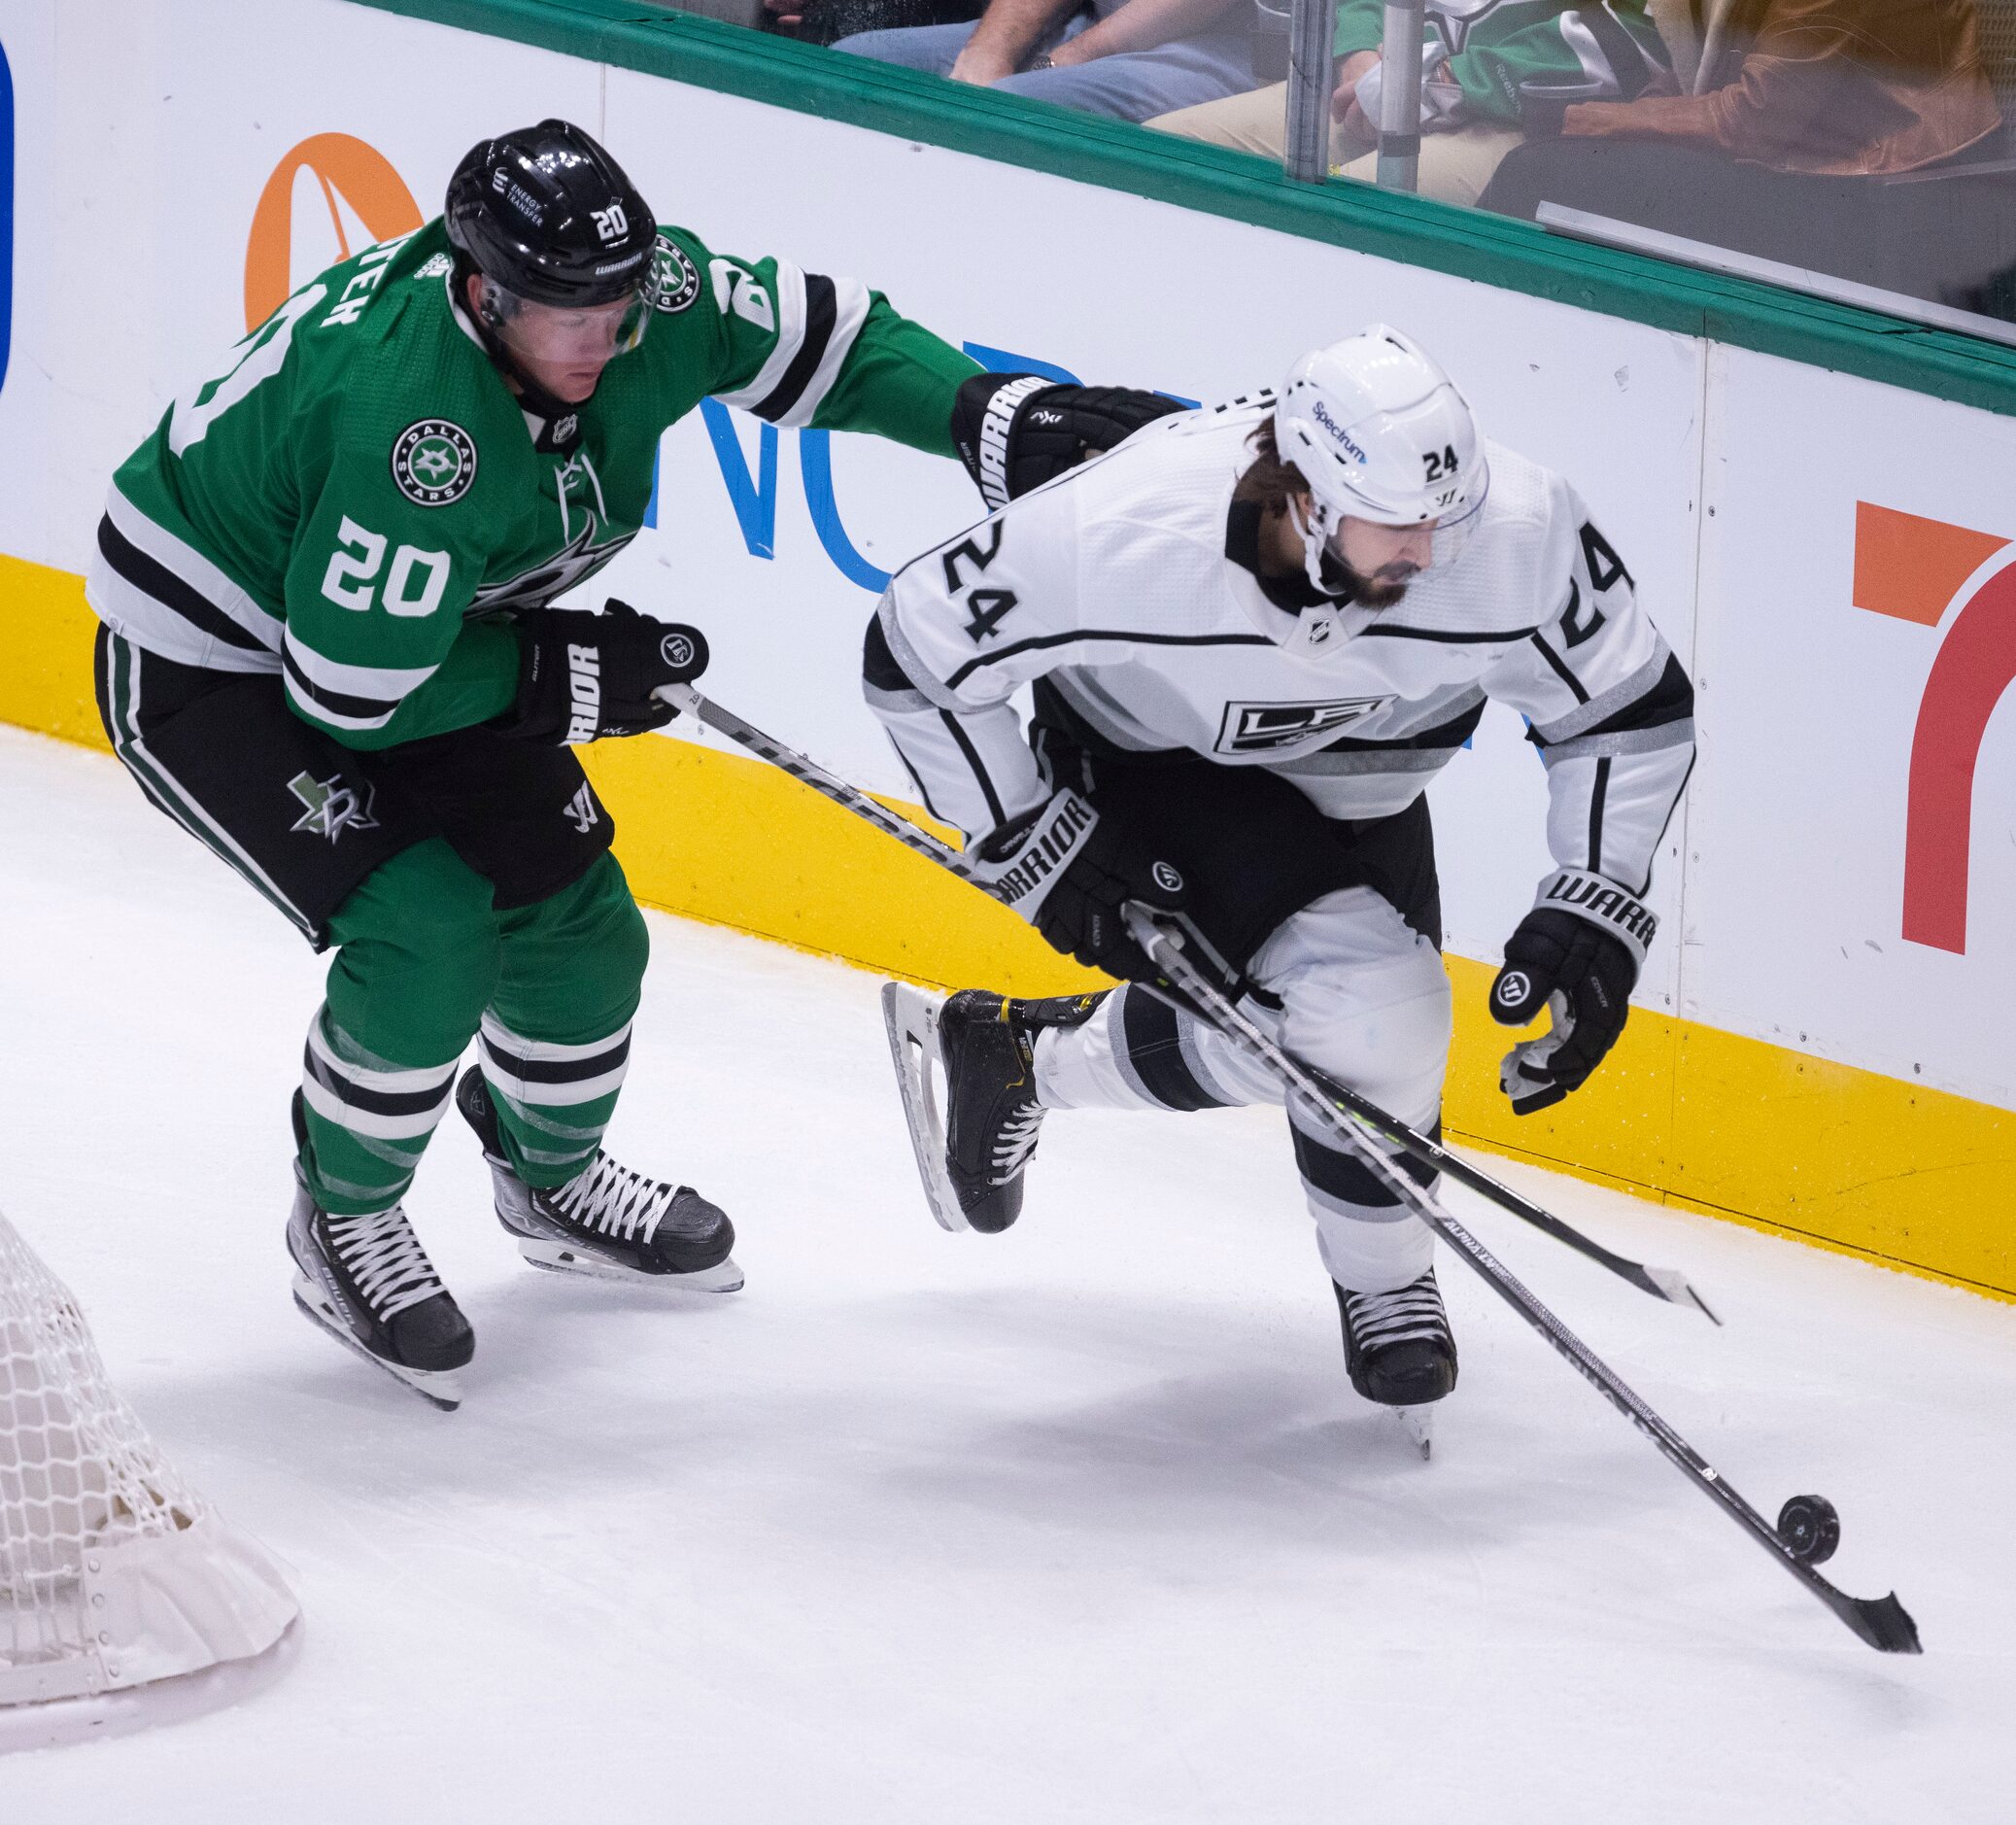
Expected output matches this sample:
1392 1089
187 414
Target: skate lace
1016 1141
1382 1318
616 1201
384 1257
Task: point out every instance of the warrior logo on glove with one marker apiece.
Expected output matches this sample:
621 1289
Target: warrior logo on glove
1011 443
586 676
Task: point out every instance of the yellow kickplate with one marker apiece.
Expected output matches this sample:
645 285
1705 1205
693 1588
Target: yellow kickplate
47 630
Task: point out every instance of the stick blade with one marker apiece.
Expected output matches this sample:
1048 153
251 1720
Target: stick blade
1882 1622
1674 1287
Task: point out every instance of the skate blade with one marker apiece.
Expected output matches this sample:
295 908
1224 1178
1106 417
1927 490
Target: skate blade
912 1023
438 1388
1418 1423
562 1258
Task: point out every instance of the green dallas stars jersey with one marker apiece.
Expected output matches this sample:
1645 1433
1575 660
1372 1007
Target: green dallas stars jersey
1516 62
358 496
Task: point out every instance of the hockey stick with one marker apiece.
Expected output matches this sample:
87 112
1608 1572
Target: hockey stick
1662 1283
806 772
1807 1527
1882 1622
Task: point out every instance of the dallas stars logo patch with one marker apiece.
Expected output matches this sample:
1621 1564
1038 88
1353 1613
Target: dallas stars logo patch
675 277
332 807
433 461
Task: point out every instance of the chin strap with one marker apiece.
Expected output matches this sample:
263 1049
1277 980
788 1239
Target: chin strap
1335 579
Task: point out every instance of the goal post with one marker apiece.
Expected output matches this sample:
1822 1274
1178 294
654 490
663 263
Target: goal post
123 1595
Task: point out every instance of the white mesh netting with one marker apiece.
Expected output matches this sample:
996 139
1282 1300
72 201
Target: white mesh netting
112 1571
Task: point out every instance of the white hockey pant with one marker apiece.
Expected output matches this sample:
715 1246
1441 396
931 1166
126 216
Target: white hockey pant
1363 999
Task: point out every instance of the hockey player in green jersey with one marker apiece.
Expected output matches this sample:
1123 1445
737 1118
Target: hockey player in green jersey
327 652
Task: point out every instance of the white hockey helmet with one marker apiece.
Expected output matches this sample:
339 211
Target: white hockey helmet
1379 432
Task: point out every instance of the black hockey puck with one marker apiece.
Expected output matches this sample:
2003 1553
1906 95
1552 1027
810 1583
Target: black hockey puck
1810 1528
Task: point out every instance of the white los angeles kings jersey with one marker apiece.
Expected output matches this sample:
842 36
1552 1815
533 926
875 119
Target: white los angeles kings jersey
1120 586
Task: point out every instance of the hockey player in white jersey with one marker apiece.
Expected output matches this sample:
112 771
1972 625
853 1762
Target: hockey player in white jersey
1255 633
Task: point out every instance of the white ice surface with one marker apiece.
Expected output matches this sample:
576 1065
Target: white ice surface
1077 1523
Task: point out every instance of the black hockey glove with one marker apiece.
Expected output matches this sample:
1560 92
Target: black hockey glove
1585 963
581 676
1068 870
1016 432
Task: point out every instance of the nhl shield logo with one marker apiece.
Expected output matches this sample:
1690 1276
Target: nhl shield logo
433 461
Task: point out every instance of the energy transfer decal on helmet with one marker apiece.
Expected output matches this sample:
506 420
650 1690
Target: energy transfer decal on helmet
433 461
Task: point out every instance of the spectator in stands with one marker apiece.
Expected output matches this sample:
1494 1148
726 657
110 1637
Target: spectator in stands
1799 111
1487 71
825 22
1131 58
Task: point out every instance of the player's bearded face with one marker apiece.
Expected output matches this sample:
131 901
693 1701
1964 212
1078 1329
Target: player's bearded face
1381 561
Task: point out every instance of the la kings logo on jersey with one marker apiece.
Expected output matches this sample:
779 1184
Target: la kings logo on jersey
1262 728
433 461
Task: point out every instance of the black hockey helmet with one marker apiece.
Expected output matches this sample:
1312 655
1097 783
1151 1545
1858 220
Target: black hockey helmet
549 216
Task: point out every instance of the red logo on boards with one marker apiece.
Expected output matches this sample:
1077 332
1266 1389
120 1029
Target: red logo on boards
1924 570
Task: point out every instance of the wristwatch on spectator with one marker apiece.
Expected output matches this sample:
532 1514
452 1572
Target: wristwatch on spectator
1041 61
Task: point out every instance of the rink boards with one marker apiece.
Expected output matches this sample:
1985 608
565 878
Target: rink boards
1822 1037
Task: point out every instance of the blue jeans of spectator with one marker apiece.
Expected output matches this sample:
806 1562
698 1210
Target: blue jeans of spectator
1133 85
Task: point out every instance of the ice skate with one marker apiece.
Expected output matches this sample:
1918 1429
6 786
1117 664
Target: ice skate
1399 1350
973 1150
609 1223
368 1283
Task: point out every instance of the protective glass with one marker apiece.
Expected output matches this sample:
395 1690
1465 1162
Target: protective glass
1454 531
1324 534
1452 535
561 335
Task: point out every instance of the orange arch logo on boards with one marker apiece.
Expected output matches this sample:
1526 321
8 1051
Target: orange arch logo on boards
1920 571
357 183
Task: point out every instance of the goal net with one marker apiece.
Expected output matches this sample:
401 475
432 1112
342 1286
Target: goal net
116 1576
